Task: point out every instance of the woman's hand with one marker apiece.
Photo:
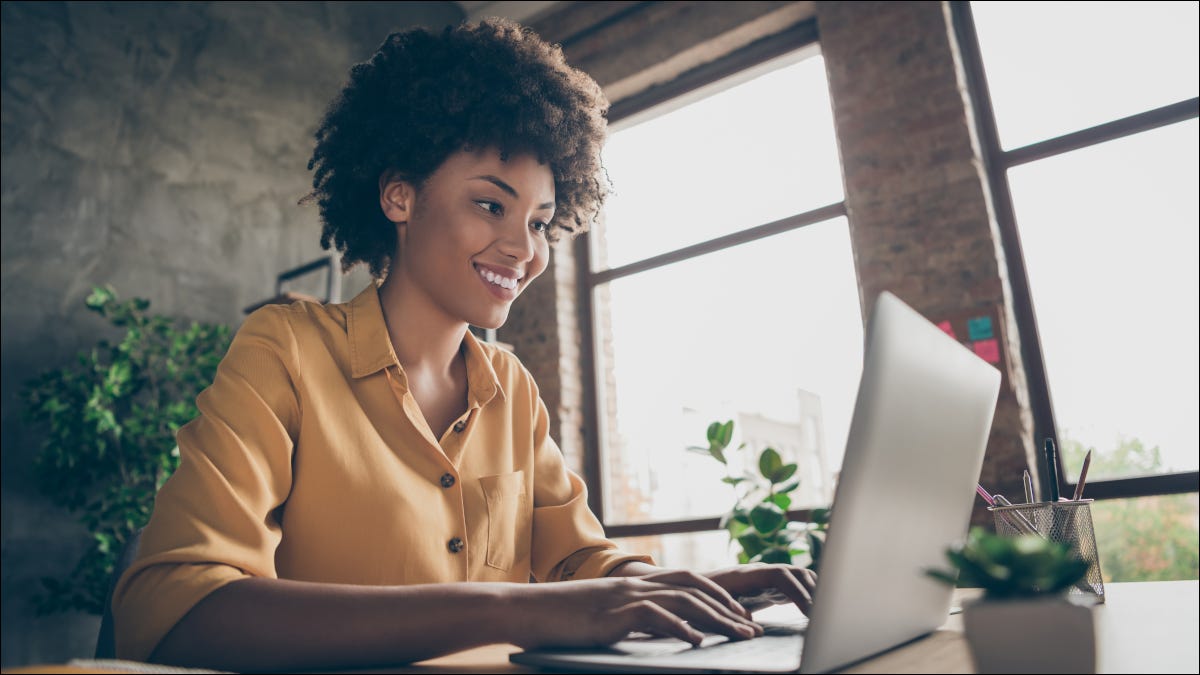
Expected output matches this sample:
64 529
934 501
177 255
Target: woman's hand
603 611
759 585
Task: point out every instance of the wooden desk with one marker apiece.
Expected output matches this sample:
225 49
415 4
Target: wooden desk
1149 627
1144 627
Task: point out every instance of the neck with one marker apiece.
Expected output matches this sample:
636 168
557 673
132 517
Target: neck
424 338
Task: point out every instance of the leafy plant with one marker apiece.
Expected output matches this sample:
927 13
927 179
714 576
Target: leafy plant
1140 538
110 421
758 521
1010 567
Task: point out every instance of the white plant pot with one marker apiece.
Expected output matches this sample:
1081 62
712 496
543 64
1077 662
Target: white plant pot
1038 635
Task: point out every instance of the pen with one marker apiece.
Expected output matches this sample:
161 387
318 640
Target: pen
1087 461
1028 488
984 493
1025 525
1051 469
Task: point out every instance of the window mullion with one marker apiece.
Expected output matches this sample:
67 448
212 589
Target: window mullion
1102 133
780 226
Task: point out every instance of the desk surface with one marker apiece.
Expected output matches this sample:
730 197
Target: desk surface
1144 627
1148 627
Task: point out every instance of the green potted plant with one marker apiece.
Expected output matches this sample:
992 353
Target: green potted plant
1024 621
758 521
109 421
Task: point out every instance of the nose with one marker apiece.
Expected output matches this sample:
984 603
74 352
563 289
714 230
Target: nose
516 241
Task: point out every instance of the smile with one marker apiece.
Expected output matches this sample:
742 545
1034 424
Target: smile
498 280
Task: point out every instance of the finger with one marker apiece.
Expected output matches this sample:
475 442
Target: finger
714 604
712 588
664 593
809 579
797 584
763 599
710 616
649 617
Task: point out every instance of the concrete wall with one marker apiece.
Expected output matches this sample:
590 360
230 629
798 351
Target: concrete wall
159 147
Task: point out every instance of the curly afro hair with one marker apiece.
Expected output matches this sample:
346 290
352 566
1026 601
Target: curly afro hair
424 96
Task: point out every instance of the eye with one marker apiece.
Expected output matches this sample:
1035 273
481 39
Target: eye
491 207
540 227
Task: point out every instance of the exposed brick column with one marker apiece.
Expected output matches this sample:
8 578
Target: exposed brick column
549 348
920 215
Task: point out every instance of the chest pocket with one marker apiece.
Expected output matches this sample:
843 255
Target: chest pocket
505 495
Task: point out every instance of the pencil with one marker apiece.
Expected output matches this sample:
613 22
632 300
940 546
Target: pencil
1087 461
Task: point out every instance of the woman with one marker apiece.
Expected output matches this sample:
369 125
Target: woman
366 482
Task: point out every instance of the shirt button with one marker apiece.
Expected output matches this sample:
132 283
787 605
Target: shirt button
459 426
447 480
455 545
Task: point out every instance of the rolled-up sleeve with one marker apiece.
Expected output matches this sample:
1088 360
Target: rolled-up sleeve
216 520
568 540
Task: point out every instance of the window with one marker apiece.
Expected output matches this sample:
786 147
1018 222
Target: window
1088 120
722 286
1109 236
1054 67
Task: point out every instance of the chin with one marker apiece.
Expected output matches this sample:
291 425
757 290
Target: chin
491 322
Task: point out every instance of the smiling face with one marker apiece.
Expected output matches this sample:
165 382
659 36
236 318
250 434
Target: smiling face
474 235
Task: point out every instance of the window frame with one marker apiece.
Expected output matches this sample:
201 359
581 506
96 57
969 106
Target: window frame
997 163
800 36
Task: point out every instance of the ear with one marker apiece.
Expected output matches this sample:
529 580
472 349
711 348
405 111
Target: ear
396 197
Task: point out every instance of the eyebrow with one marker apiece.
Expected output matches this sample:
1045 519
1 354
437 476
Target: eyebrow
509 189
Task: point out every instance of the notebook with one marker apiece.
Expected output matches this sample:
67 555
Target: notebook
913 456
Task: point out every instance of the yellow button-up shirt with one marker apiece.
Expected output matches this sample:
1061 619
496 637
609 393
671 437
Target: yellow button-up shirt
310 460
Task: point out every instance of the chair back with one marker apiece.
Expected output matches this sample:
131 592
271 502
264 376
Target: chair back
106 643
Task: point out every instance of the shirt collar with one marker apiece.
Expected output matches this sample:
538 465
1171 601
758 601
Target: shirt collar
482 383
371 348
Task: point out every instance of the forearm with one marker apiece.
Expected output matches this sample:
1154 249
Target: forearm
634 568
272 624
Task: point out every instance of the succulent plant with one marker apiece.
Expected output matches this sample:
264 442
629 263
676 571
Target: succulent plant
1012 567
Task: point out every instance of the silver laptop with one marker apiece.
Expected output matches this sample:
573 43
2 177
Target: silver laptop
913 456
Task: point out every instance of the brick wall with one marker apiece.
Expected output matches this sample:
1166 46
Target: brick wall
921 221
549 347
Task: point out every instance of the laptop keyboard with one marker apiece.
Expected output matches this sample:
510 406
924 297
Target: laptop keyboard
778 628
780 643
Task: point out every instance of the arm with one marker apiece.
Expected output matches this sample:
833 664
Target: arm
215 520
281 625
271 624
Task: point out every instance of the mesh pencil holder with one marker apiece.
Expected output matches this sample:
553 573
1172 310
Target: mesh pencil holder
1064 522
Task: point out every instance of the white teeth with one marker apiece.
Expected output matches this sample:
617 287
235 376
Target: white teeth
503 282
